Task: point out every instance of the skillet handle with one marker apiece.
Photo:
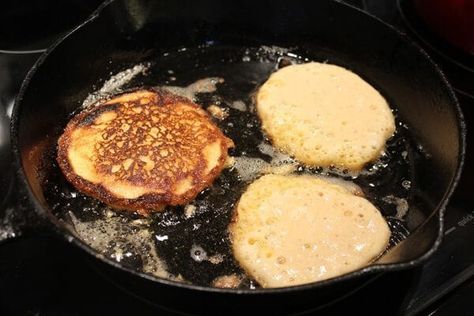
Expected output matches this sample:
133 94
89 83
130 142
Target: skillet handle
16 217
9 229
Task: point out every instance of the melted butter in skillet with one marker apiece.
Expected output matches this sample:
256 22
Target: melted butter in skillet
205 85
123 241
175 232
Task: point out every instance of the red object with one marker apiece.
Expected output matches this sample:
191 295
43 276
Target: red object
453 20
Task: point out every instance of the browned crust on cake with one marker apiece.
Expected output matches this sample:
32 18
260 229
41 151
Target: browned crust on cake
142 111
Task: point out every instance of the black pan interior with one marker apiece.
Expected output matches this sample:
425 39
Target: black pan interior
185 243
211 40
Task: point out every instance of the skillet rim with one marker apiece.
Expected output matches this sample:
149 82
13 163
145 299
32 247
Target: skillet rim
60 229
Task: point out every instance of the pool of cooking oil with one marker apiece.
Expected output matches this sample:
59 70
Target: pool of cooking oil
191 243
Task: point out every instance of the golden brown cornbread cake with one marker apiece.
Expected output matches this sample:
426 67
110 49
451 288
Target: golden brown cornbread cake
142 150
291 230
324 115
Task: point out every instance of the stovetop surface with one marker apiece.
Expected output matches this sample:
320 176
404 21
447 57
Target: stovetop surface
40 275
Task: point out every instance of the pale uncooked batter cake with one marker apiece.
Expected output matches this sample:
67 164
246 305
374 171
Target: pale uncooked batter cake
325 115
290 230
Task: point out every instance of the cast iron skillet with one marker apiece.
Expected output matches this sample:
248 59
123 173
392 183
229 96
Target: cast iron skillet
196 38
